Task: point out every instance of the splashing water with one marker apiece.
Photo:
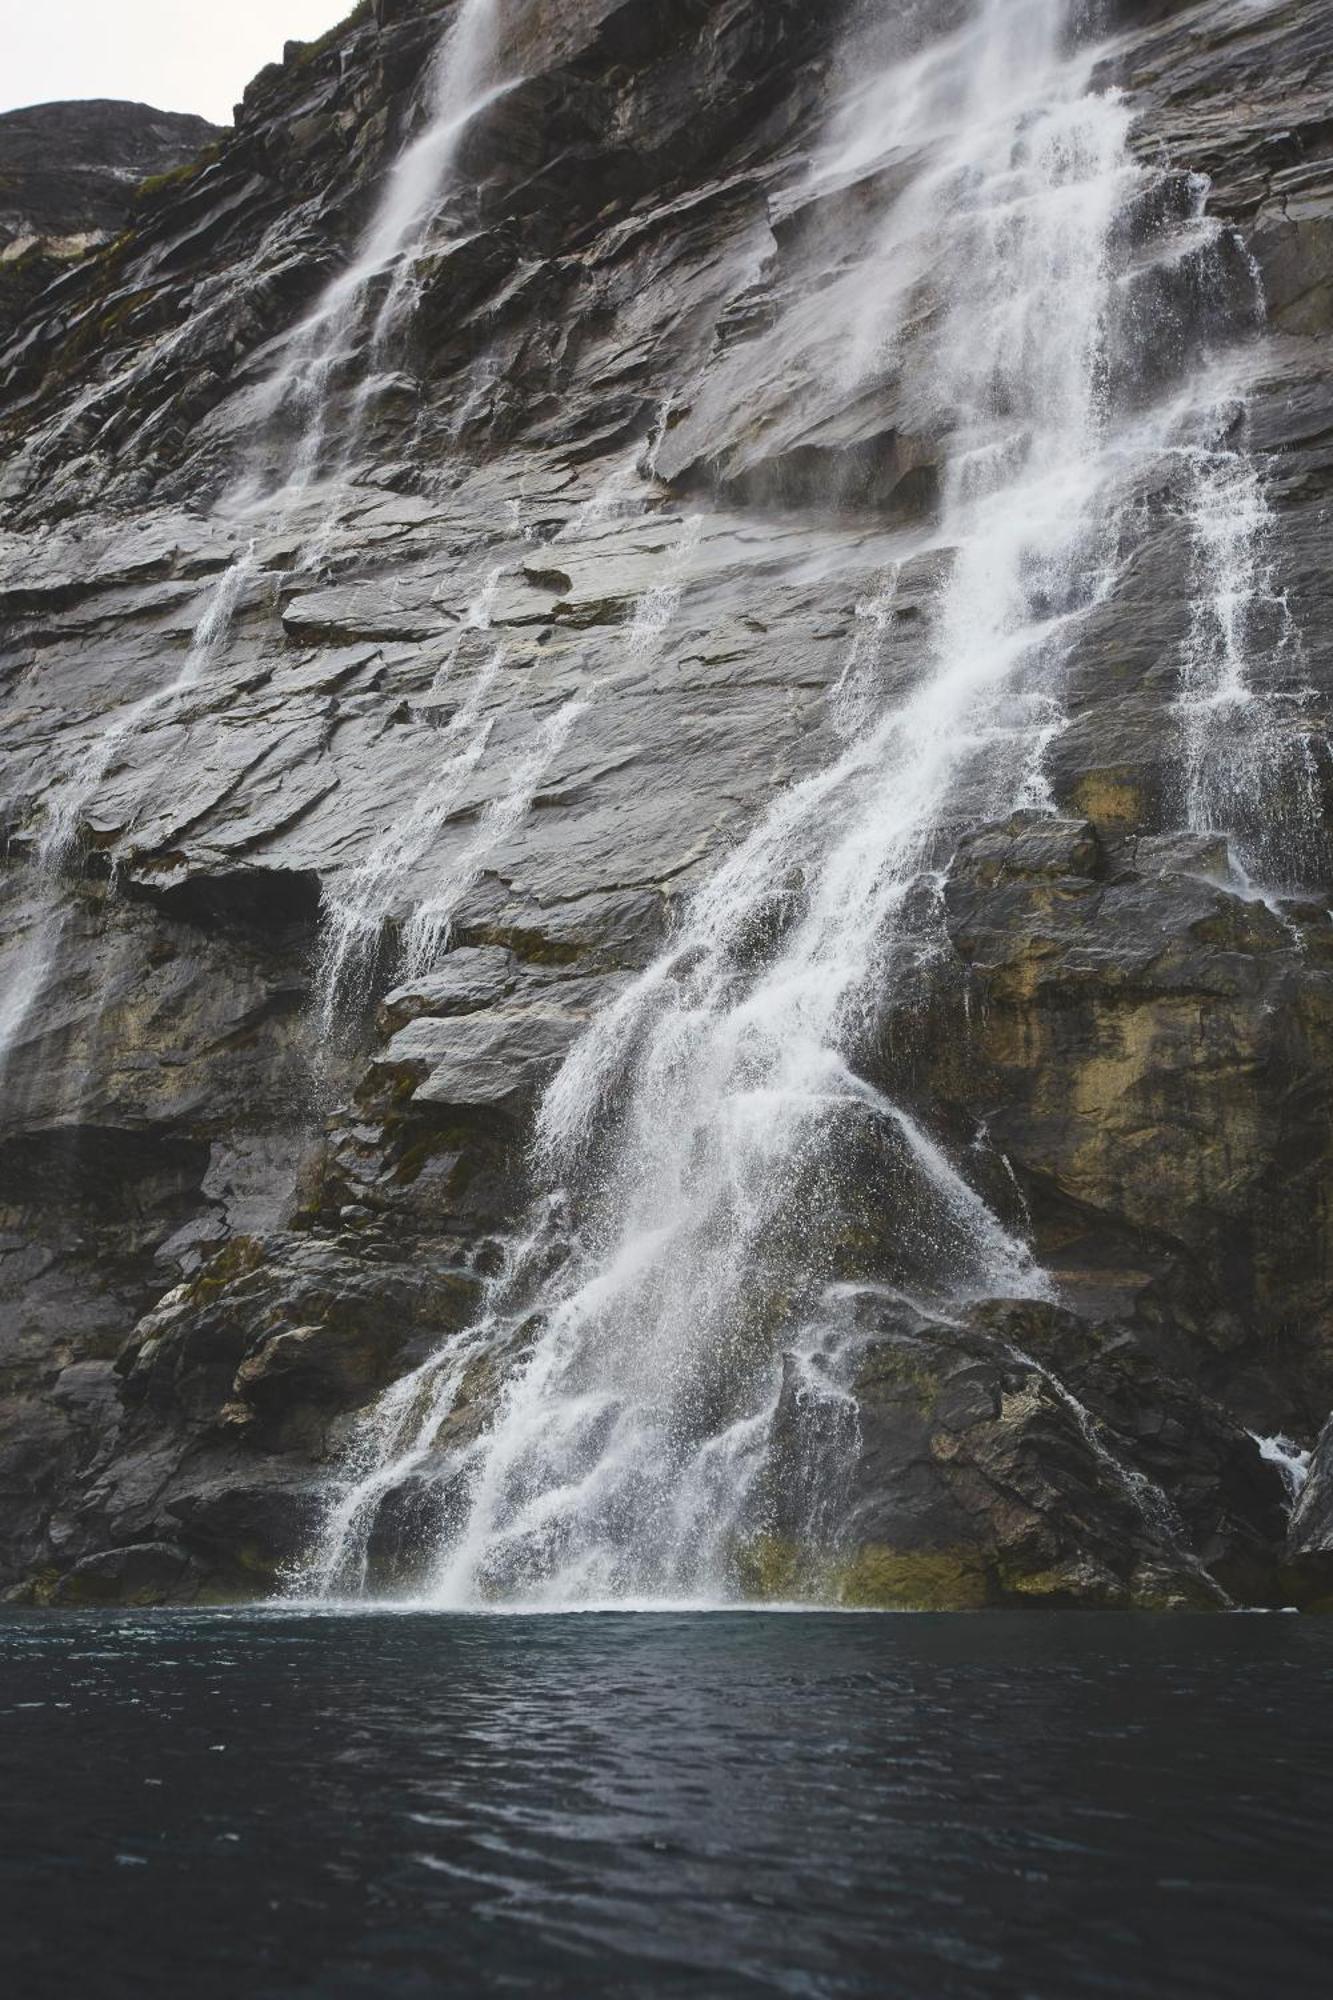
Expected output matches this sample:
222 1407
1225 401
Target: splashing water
396 1439
715 1128
742 1116
1292 1462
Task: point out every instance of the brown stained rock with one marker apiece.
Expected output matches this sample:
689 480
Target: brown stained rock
1132 1057
1155 1054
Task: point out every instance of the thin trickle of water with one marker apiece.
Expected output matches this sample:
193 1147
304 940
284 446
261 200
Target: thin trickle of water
355 915
40 950
426 936
1153 1506
363 308
210 636
1243 761
1291 1461
28 975
657 608
857 695
355 912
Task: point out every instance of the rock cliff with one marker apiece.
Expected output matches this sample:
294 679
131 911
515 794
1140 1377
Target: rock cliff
70 176
349 785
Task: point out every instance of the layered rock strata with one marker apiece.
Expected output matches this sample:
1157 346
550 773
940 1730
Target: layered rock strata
71 177
234 1213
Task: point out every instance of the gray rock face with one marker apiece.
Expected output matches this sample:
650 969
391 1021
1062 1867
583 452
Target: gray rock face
565 626
70 178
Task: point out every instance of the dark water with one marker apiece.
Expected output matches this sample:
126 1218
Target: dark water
250 1804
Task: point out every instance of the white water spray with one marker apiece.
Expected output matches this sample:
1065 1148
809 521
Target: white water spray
1293 1463
714 1121
1240 775
363 307
345 327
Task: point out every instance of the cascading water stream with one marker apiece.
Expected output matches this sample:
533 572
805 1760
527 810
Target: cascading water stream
346 327
352 325
703 1128
59 833
399 1433
1244 772
354 914
626 1448
349 328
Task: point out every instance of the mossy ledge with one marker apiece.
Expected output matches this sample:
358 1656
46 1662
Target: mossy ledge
772 1569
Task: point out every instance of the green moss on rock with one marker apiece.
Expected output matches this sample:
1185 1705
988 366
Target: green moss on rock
878 1578
237 1260
156 185
770 1569
309 52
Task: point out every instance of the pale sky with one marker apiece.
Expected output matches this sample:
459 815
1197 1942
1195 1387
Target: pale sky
180 55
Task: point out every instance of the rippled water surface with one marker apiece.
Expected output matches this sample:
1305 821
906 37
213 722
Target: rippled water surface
260 1804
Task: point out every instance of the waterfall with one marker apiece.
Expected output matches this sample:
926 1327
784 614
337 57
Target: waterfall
1292 1462
627 1448
354 914
705 1133
353 322
1244 770
38 954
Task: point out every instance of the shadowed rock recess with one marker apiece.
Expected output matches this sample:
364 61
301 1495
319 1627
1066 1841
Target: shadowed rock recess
665 906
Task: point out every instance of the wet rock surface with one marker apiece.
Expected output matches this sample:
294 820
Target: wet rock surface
71 177
538 669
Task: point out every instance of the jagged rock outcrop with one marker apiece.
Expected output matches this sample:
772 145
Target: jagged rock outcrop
619 456
71 176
